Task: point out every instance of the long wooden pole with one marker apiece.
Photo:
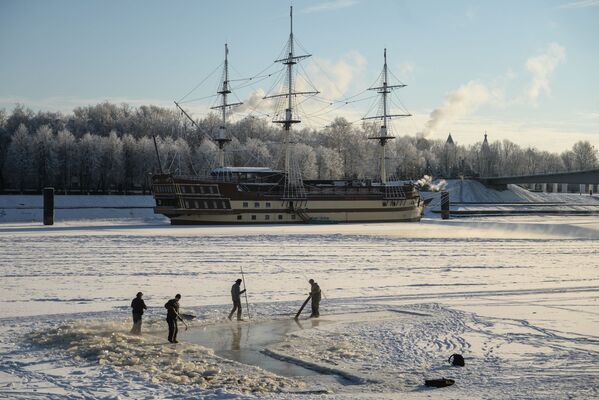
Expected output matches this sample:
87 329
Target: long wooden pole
247 304
302 307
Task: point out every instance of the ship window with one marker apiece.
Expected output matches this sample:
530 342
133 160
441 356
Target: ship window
196 204
253 217
267 204
187 204
245 204
280 216
201 189
239 217
205 204
214 204
257 204
226 204
267 217
212 189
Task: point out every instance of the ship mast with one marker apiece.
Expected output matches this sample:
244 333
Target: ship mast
292 179
223 91
383 137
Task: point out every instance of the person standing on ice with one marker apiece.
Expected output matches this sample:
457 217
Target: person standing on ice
138 306
172 316
315 294
236 293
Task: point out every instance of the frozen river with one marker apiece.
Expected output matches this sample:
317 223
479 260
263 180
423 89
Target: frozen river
542 272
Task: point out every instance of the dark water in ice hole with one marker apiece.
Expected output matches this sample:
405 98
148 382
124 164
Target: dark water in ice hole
244 341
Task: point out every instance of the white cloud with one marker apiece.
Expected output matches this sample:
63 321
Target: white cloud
329 5
541 67
580 4
406 71
333 78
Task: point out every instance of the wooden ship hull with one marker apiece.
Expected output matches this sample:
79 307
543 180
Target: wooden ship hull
195 201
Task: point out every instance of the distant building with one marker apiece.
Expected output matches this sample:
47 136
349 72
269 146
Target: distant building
449 165
485 159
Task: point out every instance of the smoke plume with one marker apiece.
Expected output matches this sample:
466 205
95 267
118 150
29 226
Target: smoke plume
458 103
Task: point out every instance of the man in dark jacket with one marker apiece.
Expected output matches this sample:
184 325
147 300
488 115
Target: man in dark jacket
138 306
236 297
172 316
315 293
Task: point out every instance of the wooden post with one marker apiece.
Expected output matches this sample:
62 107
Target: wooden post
444 205
48 206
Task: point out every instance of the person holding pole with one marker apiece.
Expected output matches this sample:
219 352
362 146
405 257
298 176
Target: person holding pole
315 294
236 297
172 316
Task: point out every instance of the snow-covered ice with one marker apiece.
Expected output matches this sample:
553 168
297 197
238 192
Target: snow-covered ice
516 295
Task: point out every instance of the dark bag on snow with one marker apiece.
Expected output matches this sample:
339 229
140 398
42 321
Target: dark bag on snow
439 383
456 360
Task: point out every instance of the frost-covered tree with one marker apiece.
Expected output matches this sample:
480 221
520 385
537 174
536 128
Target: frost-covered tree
131 161
568 160
204 157
341 149
585 155
258 152
306 160
44 156
66 158
111 162
89 162
19 166
329 163
148 162
4 144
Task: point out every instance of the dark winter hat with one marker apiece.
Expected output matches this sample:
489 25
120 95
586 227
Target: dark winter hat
311 281
139 294
238 281
178 296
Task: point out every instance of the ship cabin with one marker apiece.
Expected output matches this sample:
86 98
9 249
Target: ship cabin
247 174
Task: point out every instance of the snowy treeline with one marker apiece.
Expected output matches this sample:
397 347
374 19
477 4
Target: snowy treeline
109 148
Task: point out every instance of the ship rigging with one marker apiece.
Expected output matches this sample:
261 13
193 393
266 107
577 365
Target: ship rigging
251 195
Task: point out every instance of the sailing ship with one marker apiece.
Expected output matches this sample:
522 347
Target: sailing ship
264 195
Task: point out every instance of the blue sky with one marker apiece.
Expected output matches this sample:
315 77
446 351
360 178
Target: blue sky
522 70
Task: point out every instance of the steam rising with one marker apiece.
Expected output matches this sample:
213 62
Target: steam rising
426 183
461 102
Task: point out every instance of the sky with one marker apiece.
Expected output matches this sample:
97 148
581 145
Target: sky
520 70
